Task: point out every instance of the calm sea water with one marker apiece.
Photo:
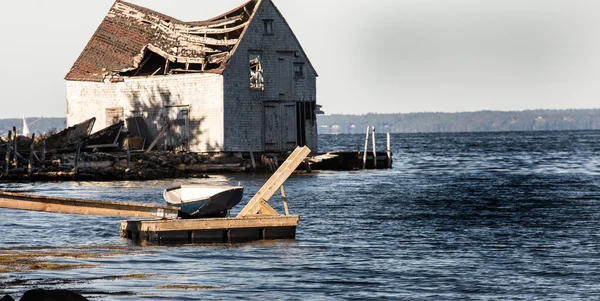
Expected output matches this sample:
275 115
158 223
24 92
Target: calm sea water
474 216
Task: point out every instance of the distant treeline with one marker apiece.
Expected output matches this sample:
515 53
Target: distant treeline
37 125
483 121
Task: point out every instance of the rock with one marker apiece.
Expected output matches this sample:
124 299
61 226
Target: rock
52 295
7 298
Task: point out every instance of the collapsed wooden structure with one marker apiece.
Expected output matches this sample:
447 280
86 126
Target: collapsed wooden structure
257 220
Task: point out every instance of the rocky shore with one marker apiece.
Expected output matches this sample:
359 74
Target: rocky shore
120 166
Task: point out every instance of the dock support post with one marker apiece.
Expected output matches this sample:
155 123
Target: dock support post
15 152
7 157
77 160
252 161
374 151
31 153
285 204
366 146
43 159
128 158
389 154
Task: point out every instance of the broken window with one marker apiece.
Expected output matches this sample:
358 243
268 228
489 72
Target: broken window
114 116
257 80
298 69
268 24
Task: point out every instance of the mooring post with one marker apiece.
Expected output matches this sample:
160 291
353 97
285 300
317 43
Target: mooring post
7 156
43 150
77 160
30 162
15 148
374 151
389 153
366 146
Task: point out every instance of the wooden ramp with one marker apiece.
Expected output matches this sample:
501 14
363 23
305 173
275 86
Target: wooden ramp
22 201
259 203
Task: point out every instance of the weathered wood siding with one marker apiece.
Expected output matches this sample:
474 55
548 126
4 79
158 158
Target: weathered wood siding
248 126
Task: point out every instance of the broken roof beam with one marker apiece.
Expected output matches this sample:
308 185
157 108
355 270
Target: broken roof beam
191 60
212 41
216 23
215 30
217 58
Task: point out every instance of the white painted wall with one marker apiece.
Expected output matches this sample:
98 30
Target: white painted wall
148 96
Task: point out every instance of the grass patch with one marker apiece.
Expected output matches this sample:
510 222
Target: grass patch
42 261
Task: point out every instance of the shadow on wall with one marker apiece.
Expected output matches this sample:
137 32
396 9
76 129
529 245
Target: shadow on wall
162 107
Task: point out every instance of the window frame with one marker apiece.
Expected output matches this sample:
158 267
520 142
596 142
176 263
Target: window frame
268 27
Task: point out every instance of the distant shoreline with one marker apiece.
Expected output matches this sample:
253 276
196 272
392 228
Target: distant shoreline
425 122
463 122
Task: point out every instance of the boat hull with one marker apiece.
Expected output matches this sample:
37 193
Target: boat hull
216 204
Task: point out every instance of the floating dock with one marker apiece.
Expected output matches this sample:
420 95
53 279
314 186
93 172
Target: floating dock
162 224
220 230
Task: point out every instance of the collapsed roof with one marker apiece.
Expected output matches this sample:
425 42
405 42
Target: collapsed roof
136 41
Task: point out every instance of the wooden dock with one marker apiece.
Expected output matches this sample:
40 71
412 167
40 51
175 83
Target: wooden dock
220 230
256 221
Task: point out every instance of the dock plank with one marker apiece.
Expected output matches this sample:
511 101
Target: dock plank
22 201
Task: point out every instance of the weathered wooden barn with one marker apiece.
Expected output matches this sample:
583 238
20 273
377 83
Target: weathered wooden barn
238 82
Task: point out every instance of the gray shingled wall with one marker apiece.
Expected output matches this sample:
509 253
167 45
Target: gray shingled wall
244 107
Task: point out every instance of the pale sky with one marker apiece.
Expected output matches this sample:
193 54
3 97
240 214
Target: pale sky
381 56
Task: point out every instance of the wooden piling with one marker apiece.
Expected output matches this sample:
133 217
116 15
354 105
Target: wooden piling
15 152
389 152
30 161
128 159
7 156
252 160
43 159
374 150
77 160
366 146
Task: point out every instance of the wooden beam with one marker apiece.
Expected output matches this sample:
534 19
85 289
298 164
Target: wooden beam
366 146
162 132
31 153
374 151
21 201
389 152
276 180
77 154
285 204
216 30
215 223
7 156
43 150
15 147
266 209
